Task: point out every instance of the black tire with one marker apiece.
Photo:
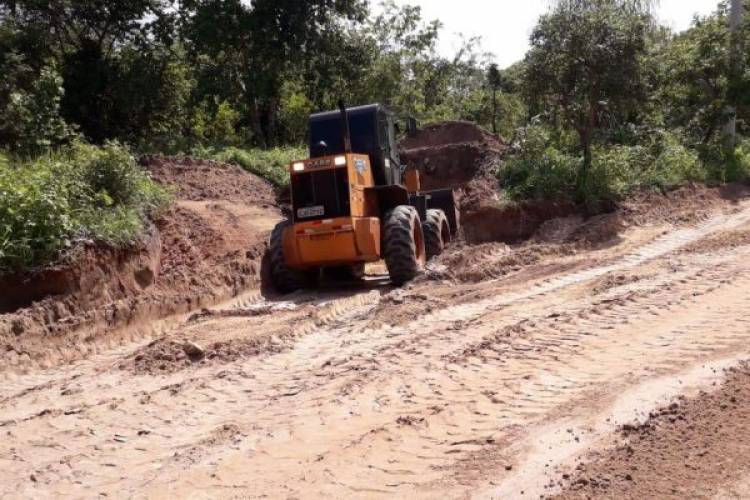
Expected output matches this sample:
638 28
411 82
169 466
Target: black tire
403 244
437 232
284 279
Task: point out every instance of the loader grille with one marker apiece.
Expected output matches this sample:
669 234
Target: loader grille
325 188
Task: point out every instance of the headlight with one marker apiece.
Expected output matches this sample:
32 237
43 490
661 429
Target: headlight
298 167
340 161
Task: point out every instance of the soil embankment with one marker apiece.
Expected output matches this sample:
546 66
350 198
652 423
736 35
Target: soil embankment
208 247
694 447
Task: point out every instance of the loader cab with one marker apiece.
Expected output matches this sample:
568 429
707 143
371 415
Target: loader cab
373 133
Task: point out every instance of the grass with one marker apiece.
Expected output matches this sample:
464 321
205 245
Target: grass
269 164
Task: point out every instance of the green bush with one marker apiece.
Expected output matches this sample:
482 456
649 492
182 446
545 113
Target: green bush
80 193
541 167
663 164
731 166
538 168
31 120
270 164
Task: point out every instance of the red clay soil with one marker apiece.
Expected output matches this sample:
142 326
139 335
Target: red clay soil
208 247
456 155
198 180
693 448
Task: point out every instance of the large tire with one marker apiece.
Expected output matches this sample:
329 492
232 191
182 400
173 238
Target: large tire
284 279
437 232
403 244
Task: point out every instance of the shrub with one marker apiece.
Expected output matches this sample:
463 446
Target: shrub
540 167
31 120
733 166
663 164
80 193
537 167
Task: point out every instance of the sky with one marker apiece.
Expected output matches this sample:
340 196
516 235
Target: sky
505 25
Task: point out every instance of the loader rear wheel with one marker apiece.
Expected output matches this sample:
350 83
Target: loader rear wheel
285 279
437 232
403 244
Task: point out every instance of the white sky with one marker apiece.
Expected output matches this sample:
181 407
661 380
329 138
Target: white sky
505 25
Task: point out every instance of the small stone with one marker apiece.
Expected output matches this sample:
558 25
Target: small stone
193 350
17 327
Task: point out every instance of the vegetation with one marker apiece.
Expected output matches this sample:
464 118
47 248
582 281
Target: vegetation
79 193
606 101
620 103
271 164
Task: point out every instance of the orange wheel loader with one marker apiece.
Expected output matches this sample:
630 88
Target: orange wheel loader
353 203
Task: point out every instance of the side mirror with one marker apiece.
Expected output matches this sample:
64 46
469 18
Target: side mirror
411 126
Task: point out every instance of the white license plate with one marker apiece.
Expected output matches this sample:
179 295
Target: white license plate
317 211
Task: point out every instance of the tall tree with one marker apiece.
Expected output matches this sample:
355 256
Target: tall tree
497 83
587 63
735 68
248 49
85 39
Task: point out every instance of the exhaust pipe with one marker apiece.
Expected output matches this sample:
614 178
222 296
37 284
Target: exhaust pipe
345 127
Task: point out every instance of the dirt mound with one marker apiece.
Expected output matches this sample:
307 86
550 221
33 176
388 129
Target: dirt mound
458 155
172 355
465 157
687 449
208 247
452 132
198 180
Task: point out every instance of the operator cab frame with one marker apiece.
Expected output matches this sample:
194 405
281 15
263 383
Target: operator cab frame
372 129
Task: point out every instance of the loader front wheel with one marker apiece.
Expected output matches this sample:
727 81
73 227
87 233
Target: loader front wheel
437 232
403 244
285 279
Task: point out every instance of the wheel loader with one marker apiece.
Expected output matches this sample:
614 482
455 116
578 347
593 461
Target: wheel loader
353 202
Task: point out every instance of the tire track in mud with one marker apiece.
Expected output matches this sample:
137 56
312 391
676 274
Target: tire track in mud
468 390
517 392
415 409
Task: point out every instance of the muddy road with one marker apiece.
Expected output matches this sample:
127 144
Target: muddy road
503 373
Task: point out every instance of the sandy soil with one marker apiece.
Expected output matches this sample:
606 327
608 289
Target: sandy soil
504 372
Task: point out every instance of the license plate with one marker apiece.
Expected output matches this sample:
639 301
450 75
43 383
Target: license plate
317 211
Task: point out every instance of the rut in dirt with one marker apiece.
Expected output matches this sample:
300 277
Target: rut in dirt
426 399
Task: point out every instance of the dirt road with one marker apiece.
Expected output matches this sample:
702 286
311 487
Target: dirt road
495 385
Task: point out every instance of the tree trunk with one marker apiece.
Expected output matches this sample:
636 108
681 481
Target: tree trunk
735 72
271 122
585 133
256 125
583 177
494 111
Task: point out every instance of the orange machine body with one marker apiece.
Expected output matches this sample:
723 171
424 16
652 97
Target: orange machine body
341 240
